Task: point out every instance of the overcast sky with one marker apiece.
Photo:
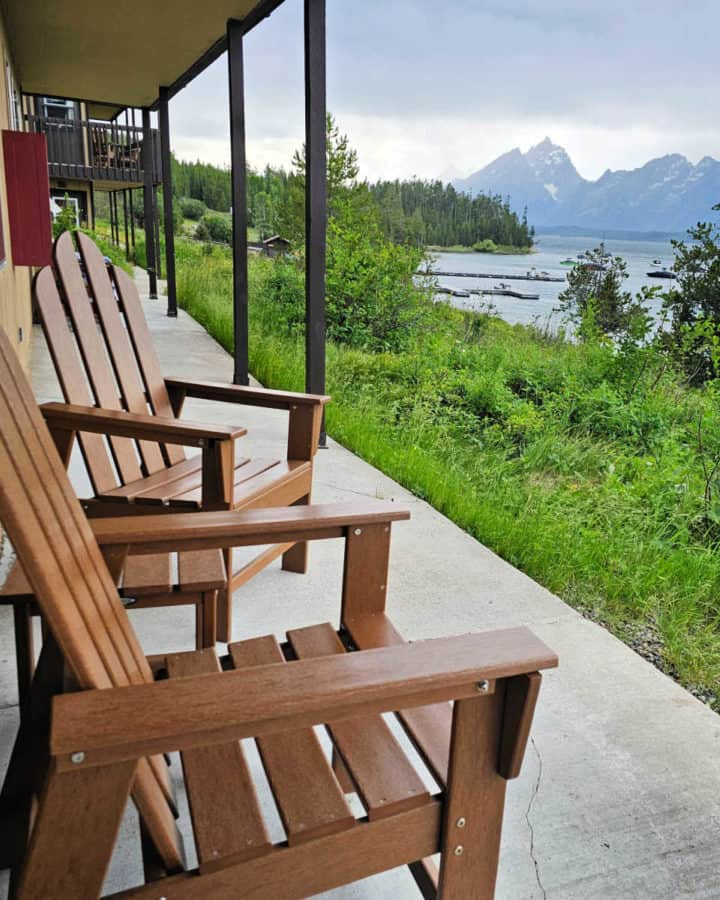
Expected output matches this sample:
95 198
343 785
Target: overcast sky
440 89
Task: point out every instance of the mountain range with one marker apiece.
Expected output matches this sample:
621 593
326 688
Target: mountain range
667 194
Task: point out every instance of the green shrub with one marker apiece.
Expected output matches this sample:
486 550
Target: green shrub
486 246
219 227
192 208
64 220
202 232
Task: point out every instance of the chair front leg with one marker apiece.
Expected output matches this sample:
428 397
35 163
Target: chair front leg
296 558
72 861
223 631
206 620
475 801
29 759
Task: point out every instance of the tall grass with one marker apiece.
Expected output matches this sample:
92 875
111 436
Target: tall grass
578 465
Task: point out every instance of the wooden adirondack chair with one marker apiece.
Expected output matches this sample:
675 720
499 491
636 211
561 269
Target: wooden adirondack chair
106 739
139 469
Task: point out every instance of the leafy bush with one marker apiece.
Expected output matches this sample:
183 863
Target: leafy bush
64 220
219 227
192 209
202 232
486 246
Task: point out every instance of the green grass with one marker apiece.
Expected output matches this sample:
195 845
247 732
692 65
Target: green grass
579 466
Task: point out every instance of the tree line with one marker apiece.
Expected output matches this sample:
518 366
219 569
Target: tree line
433 213
416 212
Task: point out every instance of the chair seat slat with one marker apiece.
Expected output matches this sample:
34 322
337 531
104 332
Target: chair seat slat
386 780
428 727
224 808
311 805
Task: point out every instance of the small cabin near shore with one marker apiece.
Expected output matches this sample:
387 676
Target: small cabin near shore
275 246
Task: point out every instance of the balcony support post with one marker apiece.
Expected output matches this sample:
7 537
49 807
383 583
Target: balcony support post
125 223
238 173
148 205
164 122
315 198
156 221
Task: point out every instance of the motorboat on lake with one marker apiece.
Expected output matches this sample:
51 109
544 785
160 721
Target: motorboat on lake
661 273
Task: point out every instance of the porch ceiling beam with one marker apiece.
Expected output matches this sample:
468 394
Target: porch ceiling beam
59 49
260 12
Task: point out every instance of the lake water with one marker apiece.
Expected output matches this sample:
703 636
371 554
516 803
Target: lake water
550 250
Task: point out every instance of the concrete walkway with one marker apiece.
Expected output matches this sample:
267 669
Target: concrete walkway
620 792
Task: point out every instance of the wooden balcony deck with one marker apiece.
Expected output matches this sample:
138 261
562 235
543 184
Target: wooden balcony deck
95 151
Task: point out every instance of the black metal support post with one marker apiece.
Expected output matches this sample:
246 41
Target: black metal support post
156 221
115 219
110 217
125 223
239 200
132 221
315 198
148 205
164 121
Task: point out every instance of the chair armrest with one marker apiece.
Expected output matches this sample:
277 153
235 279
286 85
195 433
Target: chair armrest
127 723
243 528
236 393
120 423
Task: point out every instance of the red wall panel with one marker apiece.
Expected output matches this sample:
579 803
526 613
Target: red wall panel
28 194
2 238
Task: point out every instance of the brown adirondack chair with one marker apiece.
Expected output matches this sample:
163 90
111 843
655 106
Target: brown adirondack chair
106 739
114 367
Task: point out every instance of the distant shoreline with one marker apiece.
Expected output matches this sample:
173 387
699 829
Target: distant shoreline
500 250
609 234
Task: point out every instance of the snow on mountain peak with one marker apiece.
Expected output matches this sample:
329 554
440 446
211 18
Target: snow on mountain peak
666 194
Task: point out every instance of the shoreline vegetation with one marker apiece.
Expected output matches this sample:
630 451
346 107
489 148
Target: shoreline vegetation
495 249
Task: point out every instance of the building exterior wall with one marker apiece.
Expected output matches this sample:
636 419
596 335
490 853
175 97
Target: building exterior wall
15 303
75 188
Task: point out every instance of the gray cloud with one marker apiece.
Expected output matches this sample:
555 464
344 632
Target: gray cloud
421 86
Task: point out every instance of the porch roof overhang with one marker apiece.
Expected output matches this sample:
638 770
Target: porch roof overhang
119 55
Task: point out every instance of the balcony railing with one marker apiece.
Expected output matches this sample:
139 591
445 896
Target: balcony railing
96 151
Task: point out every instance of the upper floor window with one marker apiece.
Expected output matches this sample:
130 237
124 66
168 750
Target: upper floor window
54 108
14 102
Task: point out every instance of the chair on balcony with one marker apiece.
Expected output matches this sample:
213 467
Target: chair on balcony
103 149
104 742
104 357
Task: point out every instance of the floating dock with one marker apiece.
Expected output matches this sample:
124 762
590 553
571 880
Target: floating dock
504 292
512 277
453 292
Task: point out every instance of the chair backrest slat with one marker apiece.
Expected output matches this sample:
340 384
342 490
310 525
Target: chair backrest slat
69 368
120 350
92 349
145 354
58 552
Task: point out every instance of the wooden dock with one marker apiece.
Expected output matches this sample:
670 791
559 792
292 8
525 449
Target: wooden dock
495 292
504 292
513 277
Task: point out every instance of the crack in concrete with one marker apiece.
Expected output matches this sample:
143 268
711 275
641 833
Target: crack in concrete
536 864
375 495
